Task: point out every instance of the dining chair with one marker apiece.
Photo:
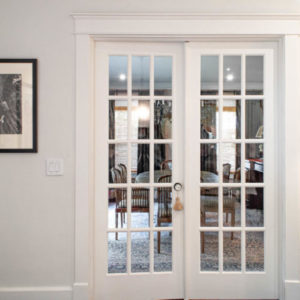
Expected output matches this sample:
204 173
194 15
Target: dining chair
237 175
139 197
226 172
166 165
123 169
209 203
164 202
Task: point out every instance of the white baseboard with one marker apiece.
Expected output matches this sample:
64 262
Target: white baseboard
292 290
36 293
80 291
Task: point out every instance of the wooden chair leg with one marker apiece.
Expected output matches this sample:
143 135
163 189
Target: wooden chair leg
158 238
232 222
202 233
202 242
116 237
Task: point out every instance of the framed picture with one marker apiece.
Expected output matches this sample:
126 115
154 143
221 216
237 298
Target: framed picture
18 105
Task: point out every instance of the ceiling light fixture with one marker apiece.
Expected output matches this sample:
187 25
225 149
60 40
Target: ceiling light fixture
143 113
229 77
122 77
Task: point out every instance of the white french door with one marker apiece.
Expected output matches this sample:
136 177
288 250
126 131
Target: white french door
200 116
230 203
139 129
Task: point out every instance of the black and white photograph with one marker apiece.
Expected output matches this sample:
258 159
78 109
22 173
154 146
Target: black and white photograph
18 130
10 104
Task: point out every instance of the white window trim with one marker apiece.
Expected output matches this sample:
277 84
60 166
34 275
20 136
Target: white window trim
281 28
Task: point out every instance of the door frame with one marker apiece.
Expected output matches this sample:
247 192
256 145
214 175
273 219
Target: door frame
282 29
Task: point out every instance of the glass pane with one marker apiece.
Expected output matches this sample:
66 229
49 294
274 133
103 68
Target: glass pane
254 75
140 163
231 162
254 251
163 119
209 75
254 119
117 252
209 207
140 213
209 167
231 128
163 251
162 207
232 207
140 252
162 75
140 75
254 163
232 251
232 75
209 119
255 207
118 113
117 163
162 162
117 208
117 75
140 119
209 244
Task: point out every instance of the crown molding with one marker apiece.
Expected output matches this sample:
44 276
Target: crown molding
186 24
191 16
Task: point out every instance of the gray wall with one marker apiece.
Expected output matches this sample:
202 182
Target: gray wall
36 211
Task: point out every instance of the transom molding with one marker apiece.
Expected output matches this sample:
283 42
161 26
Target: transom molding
229 16
192 24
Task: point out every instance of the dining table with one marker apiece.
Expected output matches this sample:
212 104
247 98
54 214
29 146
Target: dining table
144 176
207 176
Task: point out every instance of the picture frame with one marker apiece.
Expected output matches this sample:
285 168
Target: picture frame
18 106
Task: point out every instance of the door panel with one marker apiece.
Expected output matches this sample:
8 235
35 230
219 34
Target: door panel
138 129
230 207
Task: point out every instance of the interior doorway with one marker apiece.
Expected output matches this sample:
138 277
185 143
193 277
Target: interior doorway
198 115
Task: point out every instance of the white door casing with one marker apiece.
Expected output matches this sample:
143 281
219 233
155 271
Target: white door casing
284 29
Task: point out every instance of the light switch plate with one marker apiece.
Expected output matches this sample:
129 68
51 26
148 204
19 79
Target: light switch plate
54 167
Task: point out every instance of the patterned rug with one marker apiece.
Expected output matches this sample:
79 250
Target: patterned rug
117 253
117 249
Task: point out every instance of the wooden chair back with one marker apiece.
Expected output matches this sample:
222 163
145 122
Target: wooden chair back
123 169
166 165
116 175
226 172
165 179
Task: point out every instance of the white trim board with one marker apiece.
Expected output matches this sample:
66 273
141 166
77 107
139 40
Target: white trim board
36 293
282 28
292 289
186 24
